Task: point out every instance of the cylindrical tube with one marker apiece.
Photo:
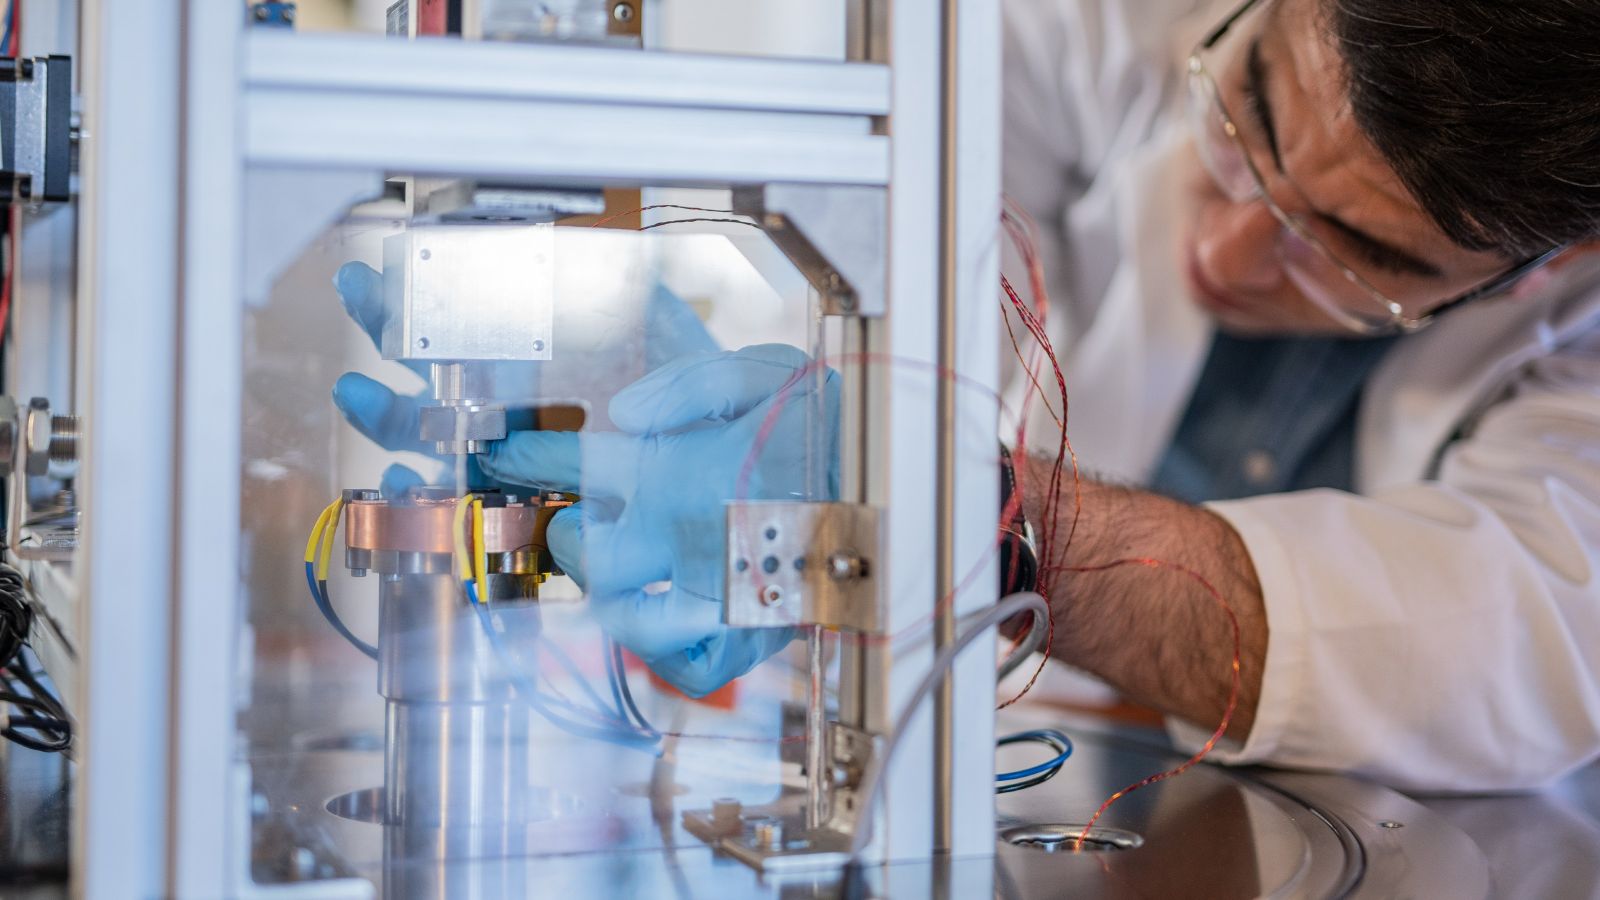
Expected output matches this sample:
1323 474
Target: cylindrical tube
456 749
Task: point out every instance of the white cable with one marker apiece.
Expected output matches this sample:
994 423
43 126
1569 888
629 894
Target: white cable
975 625
1031 642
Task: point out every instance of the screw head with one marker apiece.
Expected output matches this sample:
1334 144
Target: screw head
426 253
622 12
538 346
844 566
771 595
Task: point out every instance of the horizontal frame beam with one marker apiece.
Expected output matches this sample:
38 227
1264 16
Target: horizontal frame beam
567 114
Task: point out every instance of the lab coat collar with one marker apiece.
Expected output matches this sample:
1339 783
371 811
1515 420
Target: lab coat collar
1433 384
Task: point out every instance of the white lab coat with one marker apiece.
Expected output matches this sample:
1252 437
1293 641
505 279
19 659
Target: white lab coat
1440 628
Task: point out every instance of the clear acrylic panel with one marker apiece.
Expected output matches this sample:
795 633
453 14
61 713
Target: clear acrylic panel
499 723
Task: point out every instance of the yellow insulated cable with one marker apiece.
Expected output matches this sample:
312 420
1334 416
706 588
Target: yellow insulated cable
326 557
316 532
481 559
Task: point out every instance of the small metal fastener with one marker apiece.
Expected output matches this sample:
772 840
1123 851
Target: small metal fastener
622 12
426 253
538 346
1391 824
845 566
422 342
771 595
767 833
261 13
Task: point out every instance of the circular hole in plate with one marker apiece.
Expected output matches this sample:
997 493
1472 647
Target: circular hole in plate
1064 838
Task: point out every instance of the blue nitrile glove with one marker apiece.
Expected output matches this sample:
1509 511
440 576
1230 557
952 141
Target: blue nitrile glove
654 495
390 419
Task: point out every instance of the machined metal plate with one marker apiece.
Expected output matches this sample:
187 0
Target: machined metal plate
465 292
803 564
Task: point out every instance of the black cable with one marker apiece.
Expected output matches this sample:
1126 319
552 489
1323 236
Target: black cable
627 693
37 709
1046 771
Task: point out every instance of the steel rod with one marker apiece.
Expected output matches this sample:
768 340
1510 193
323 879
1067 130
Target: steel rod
945 544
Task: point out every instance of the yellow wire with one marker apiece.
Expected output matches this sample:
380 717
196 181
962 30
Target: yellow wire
326 557
481 561
316 532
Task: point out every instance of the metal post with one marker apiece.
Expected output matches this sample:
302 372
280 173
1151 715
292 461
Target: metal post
819 767
945 541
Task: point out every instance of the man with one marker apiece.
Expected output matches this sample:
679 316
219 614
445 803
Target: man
1352 298
1430 614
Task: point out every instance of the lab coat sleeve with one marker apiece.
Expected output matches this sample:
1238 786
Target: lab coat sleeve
1086 84
1443 636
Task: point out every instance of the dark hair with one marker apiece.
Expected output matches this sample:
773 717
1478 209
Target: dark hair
1488 110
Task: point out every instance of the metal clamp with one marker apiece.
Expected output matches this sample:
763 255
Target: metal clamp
802 564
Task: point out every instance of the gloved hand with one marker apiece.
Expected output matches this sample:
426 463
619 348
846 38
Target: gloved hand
654 493
390 419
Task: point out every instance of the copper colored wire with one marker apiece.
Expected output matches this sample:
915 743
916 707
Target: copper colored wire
1233 683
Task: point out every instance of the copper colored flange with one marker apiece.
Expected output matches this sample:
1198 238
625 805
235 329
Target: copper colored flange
428 526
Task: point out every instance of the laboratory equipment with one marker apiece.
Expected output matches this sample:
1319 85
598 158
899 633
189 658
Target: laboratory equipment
179 307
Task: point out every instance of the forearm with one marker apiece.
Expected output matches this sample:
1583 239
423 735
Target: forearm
1150 628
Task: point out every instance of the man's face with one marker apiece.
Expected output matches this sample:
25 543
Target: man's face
1281 80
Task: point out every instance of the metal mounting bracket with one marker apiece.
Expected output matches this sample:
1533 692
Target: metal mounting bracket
835 235
795 563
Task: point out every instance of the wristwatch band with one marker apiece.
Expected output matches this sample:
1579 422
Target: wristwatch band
1019 559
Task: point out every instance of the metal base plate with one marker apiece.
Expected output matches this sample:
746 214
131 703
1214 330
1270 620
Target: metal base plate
799 850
